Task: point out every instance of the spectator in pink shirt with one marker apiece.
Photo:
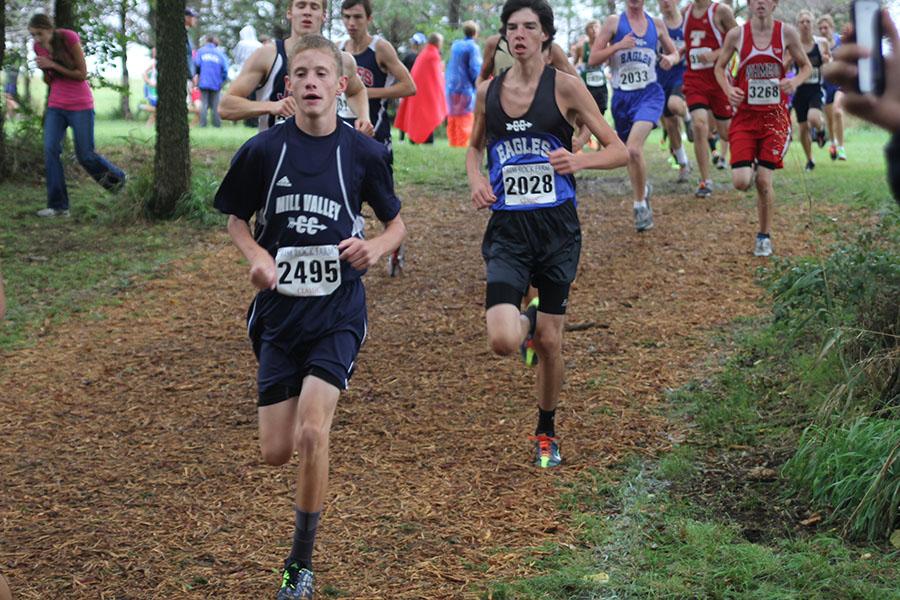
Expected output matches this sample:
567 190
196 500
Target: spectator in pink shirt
70 104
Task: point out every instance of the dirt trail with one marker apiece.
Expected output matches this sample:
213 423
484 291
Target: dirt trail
129 465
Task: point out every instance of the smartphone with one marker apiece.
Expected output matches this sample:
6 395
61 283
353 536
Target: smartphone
868 33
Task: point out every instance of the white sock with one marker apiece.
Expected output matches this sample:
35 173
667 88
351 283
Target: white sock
681 156
640 204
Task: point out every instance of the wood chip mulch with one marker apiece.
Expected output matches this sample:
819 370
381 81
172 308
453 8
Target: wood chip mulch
129 465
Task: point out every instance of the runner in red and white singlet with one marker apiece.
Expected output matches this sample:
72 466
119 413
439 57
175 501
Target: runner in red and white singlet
760 130
705 26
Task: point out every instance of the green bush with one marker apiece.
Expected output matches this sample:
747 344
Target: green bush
854 470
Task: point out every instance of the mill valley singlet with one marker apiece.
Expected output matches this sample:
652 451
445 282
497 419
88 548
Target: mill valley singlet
306 194
372 77
519 148
701 35
272 89
760 70
634 68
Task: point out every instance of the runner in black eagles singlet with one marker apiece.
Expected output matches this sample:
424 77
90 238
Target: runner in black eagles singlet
524 118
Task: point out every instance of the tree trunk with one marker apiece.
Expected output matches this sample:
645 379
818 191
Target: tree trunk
64 14
125 94
3 170
453 13
611 6
26 97
172 163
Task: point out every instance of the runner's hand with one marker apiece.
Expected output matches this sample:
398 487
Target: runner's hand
361 254
482 194
664 62
564 162
735 96
263 275
788 86
365 127
286 107
627 42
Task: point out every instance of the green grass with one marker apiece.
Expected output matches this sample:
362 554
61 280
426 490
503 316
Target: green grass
637 540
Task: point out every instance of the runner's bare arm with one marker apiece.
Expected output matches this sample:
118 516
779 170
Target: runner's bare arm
578 105
795 49
362 254
671 56
390 63
482 193
235 104
559 60
725 18
602 49
357 98
825 51
724 21
263 274
729 47
487 60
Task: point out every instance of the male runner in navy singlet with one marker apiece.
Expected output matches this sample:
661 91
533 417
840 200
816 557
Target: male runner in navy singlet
304 181
258 91
524 116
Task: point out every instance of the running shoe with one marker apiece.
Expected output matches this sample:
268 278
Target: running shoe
53 212
720 163
819 136
396 261
296 583
832 152
643 216
810 165
546 451
763 247
704 190
841 153
529 356
683 172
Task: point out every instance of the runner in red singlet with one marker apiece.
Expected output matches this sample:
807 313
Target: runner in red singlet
760 131
705 26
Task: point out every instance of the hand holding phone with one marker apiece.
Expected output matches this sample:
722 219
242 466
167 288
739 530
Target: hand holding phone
868 32
883 110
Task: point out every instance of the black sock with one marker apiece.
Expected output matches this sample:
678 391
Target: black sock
305 524
762 236
545 422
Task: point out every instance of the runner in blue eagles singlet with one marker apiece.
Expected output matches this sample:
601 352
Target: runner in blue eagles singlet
638 99
523 117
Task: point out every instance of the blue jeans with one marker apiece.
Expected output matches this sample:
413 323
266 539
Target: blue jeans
56 120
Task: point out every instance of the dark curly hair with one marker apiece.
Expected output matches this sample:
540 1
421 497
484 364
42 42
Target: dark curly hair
540 7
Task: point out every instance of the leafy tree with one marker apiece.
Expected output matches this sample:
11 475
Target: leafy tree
172 162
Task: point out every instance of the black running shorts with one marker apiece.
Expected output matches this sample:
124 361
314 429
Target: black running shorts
538 247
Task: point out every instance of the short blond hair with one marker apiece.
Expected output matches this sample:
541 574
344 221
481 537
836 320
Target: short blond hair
590 24
806 13
827 18
470 29
314 41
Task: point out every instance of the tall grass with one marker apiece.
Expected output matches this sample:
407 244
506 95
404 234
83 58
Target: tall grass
843 312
